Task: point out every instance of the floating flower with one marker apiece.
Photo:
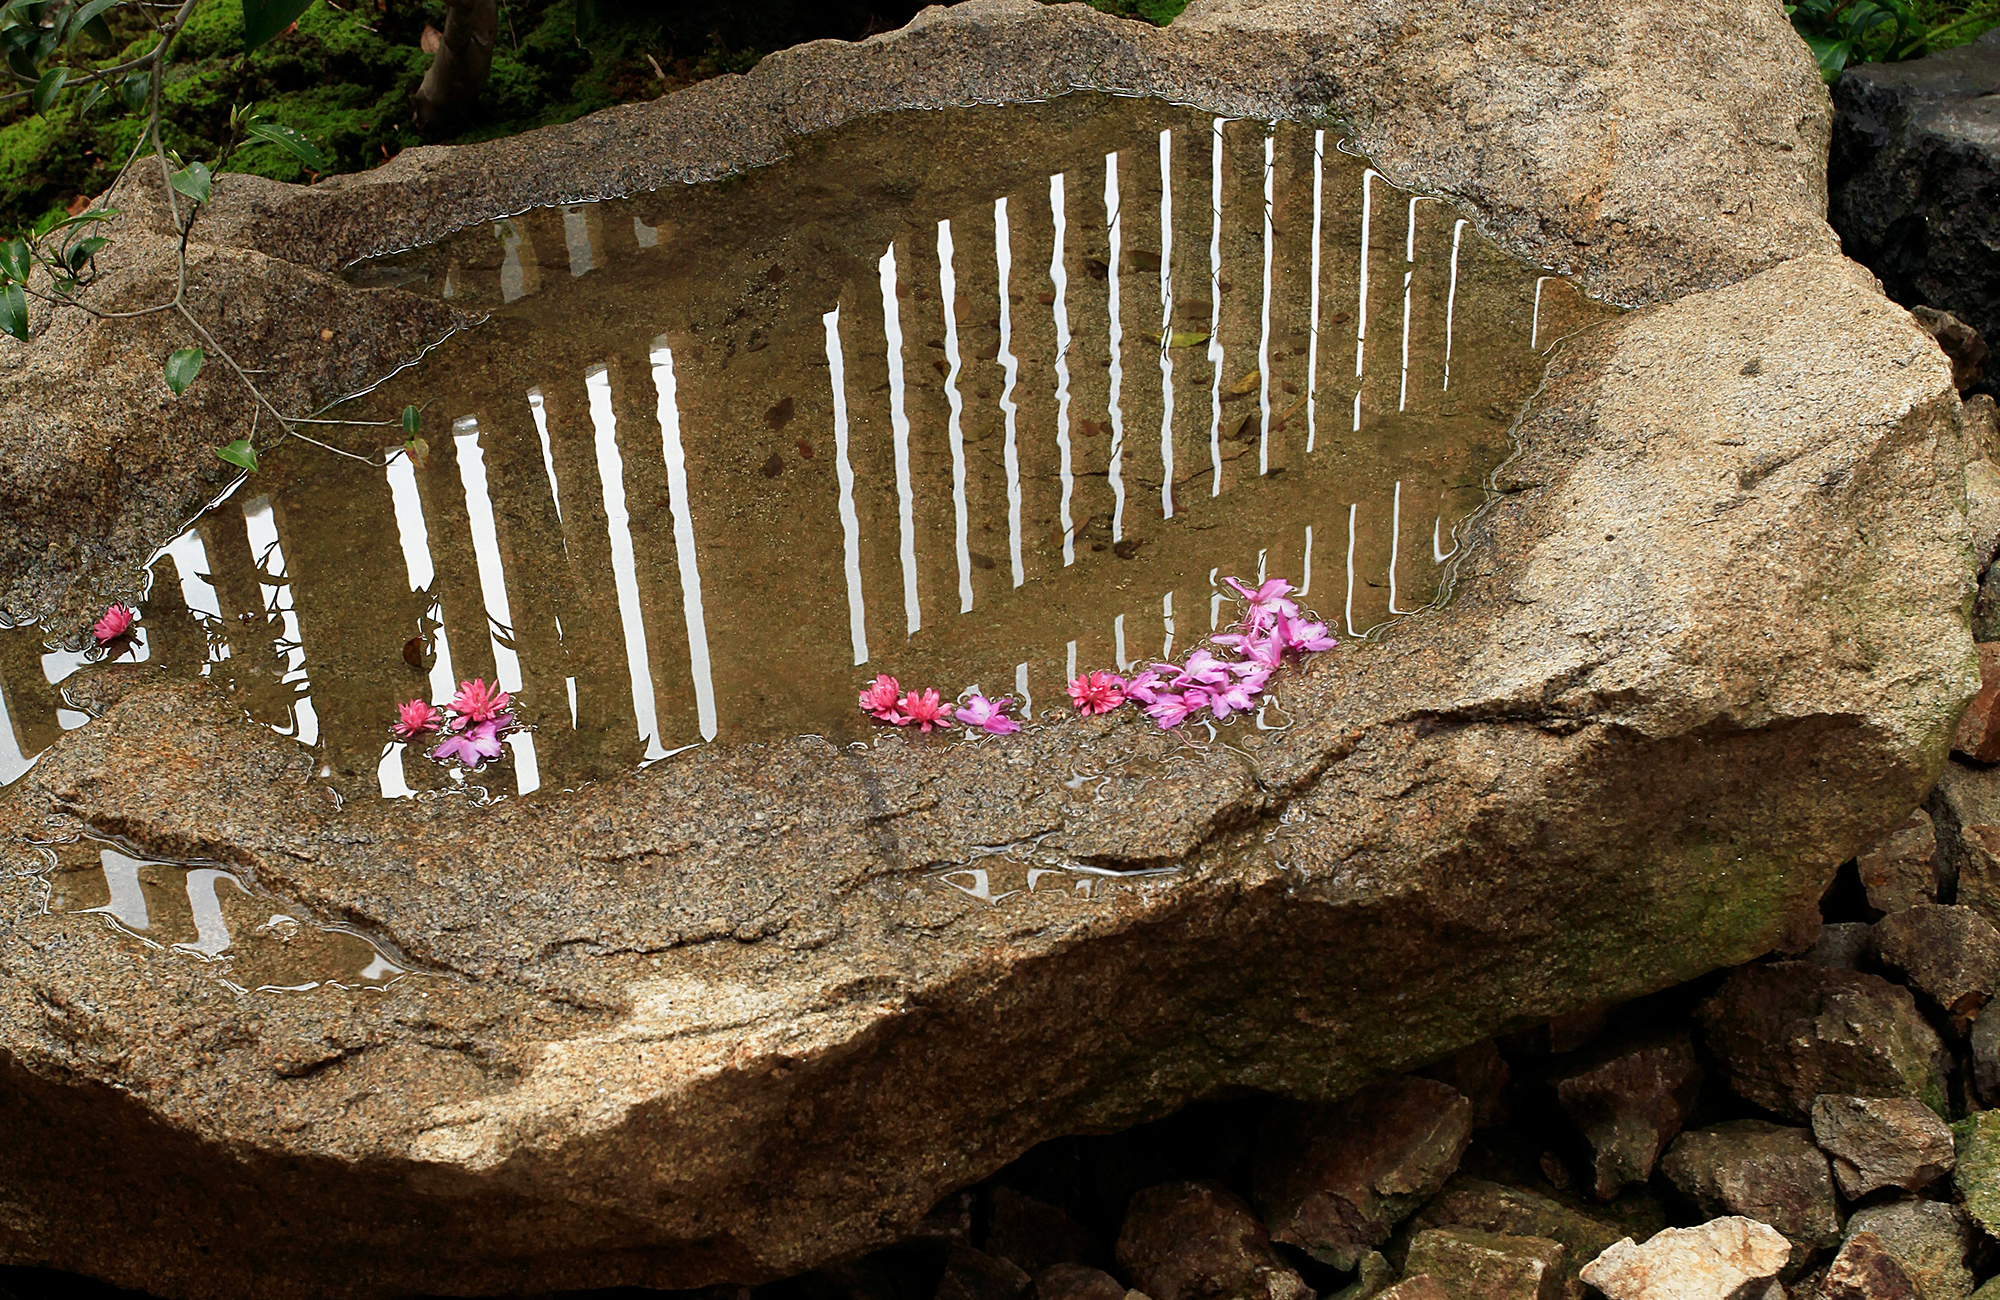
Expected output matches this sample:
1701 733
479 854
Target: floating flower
1098 692
1172 708
117 621
925 710
477 702
1201 669
1266 602
1147 685
1303 637
883 700
1237 697
988 715
414 718
476 744
1261 651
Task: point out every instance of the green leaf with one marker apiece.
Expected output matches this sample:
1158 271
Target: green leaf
14 312
263 19
48 88
413 420
67 287
240 453
292 142
83 250
193 180
87 215
90 98
91 12
182 367
134 90
15 260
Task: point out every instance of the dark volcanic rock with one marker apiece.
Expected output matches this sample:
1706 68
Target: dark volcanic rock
1900 870
1949 954
974 1275
1196 1241
1789 1031
1629 1100
1334 1180
1877 1142
1490 1266
1914 182
1865 1270
1929 1239
1767 1172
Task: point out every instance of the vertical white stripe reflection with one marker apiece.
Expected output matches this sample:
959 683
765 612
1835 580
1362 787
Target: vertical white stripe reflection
899 427
1117 468
1059 277
1264 323
1166 325
1003 254
680 502
624 565
850 522
948 286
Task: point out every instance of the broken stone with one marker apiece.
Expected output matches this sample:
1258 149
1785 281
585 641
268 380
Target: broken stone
1722 1259
1421 1287
1629 1101
1374 1274
1981 417
1077 1282
1036 1235
1978 735
1334 1180
1985 1044
1788 1031
1490 1266
975 1275
1877 1142
1949 954
1865 1270
1966 810
1197 1241
1929 1239
1768 1172
1842 945
1960 343
1977 1146
1900 870
1485 1206
1482 1075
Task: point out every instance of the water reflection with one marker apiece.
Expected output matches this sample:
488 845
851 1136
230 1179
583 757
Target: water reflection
212 915
873 413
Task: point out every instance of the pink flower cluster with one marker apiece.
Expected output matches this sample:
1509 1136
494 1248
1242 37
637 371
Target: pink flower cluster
473 723
117 621
885 701
1272 628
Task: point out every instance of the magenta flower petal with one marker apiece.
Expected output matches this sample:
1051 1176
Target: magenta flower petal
988 715
117 621
925 710
882 700
1098 692
1145 686
477 702
473 746
414 718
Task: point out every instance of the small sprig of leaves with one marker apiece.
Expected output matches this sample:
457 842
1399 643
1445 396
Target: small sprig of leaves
1840 32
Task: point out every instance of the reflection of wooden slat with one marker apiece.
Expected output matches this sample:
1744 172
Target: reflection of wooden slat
31 701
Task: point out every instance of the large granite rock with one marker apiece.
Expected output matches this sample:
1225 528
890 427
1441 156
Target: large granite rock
1768 1172
1490 1265
1722 1259
1916 162
1334 1180
1865 1270
1900 870
1878 1142
1930 1240
1950 955
1789 1031
713 1021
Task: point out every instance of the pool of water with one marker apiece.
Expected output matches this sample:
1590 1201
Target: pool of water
987 396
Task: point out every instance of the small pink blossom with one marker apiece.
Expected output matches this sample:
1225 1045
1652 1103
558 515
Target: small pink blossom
1303 637
1237 697
475 745
1172 708
883 700
477 702
989 716
1147 685
925 710
1202 669
414 718
117 621
1266 602
1098 692
1262 652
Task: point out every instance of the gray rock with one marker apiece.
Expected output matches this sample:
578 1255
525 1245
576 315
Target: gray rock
1761 1171
1629 1100
1901 870
1196 1241
1077 1282
1842 945
1788 1031
1865 1270
1334 1180
1878 1142
1929 1239
1490 1266
1723 1259
1949 954
1914 153
1982 513
974 1275
1981 418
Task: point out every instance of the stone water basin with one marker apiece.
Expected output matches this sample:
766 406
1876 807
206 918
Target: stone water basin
983 397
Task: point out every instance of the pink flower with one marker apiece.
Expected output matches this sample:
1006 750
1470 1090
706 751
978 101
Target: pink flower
1146 685
988 715
1303 637
476 745
1262 652
1202 669
1266 602
1237 697
117 621
1171 709
414 718
477 702
926 710
1098 692
881 701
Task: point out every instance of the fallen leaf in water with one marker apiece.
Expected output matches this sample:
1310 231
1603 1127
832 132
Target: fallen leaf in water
1144 260
805 449
1046 299
1098 270
1245 384
774 466
1128 548
780 413
979 561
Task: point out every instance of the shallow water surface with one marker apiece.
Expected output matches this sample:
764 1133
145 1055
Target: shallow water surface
985 396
